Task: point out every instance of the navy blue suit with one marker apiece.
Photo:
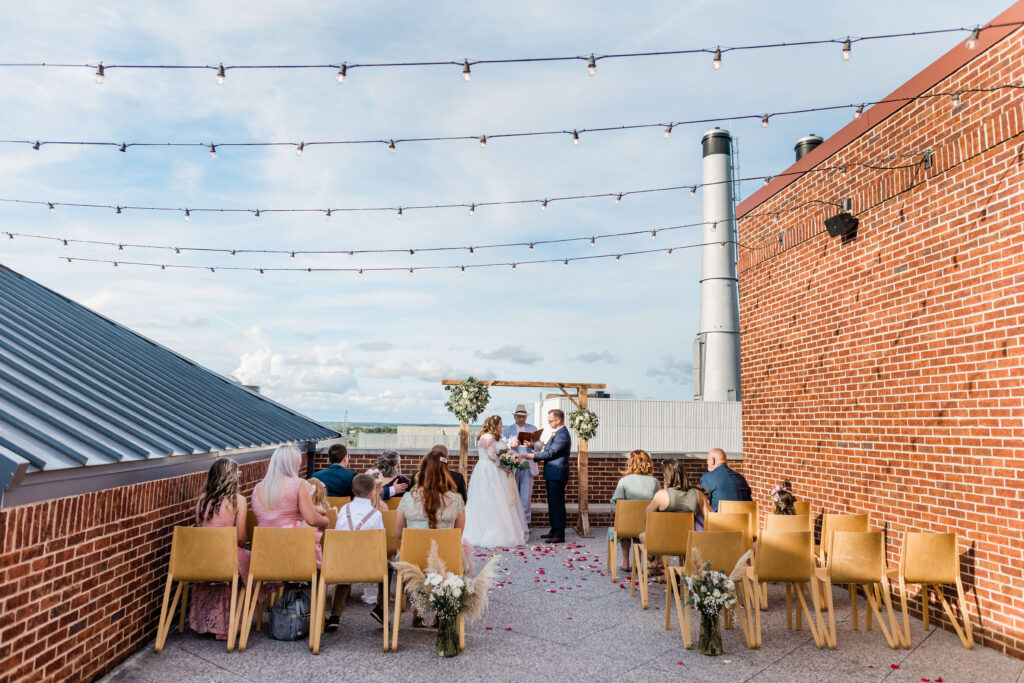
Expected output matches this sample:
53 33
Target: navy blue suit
337 480
556 475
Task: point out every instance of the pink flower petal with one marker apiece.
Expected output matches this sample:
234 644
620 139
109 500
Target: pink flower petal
894 666
680 664
490 628
508 628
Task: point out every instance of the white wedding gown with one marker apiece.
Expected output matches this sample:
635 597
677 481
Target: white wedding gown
494 515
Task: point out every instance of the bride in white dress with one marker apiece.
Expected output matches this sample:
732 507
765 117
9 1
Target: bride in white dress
494 515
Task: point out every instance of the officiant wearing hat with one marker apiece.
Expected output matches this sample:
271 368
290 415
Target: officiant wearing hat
524 478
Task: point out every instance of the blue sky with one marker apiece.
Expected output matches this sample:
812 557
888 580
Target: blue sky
377 345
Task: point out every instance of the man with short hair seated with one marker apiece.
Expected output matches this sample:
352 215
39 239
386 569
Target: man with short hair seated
359 515
337 478
721 482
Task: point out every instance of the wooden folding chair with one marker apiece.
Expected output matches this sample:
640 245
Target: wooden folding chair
351 557
415 548
391 527
837 522
393 502
630 517
740 506
857 558
785 557
788 523
664 536
339 501
279 555
730 521
722 549
250 524
802 507
199 554
932 560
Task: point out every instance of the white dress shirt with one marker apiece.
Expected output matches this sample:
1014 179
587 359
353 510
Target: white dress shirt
359 507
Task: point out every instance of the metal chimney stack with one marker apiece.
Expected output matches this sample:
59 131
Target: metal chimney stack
716 351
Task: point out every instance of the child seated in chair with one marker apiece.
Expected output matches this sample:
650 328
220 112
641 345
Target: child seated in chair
358 515
784 498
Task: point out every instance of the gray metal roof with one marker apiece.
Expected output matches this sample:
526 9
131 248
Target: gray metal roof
77 389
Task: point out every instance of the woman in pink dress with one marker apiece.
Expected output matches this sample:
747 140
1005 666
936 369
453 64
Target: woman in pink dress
282 499
221 505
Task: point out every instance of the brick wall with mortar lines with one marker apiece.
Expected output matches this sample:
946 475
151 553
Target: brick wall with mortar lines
883 374
81 578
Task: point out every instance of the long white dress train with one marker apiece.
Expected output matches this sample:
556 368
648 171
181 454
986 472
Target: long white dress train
494 515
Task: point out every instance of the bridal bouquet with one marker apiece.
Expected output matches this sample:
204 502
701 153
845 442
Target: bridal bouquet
512 461
447 594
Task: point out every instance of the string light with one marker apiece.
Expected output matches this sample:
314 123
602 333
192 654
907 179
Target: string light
669 252
654 234
99 73
118 210
177 252
188 216
410 271
123 147
513 266
471 251
399 213
68 259
767 179
483 140
232 252
465 71
857 114
327 215
618 198
213 151
846 49
472 209
65 244
576 132
10 236
764 121
261 270
668 131
412 252
592 66
298 150
256 215
212 271
972 42
51 206
544 205
618 257
592 241
716 61
531 243
955 99
693 191
163 267
342 72
565 263
115 264
575 138
220 75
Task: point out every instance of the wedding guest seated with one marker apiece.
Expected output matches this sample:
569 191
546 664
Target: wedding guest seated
358 515
337 477
679 494
637 483
320 502
723 482
220 505
395 483
784 499
370 593
434 504
283 499
460 481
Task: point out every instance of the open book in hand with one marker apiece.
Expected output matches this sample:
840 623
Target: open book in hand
528 438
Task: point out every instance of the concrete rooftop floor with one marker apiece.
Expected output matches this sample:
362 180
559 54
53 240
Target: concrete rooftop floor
571 623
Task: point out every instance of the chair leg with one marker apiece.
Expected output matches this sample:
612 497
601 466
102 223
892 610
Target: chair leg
644 577
742 612
634 570
398 613
952 617
789 606
816 629
754 606
313 630
232 617
872 600
612 559
764 597
316 617
905 636
670 578
867 612
830 623
184 606
385 602
170 613
682 614
853 605
462 632
796 607
252 592
924 606
969 643
164 616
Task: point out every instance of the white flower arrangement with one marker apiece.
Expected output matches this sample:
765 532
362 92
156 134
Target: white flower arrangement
713 591
584 422
468 399
445 592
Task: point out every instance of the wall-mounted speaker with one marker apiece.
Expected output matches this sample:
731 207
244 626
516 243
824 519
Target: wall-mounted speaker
841 225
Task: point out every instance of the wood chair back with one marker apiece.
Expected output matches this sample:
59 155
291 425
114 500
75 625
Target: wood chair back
203 554
283 554
393 502
831 522
391 527
332 519
722 549
666 532
730 521
415 547
748 506
250 524
929 558
789 523
802 507
339 501
786 556
630 517
354 556
856 557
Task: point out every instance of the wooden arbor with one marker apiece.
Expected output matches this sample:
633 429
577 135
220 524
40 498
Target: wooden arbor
579 400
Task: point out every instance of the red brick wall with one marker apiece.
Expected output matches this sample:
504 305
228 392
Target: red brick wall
883 375
81 578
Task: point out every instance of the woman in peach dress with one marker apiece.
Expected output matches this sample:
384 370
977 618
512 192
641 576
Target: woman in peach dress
221 505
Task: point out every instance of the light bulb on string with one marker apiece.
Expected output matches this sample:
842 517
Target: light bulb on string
117 209
465 71
123 147
232 252
292 256
669 252
472 209
213 271
177 251
399 213
120 247
716 61
68 259
342 72
412 252
213 151
256 216
115 264
592 241
857 114
483 140
592 66
693 191
360 271
410 271
463 268
668 131
955 99
531 243
618 256
10 235
391 145
298 150
513 266
575 138
618 198
220 75
471 250
565 263
327 215
65 244
261 272
654 234
846 49
972 42
188 216
544 205
764 121
99 73
163 267
767 179
36 145
51 207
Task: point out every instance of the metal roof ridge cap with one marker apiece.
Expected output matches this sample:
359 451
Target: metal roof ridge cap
945 65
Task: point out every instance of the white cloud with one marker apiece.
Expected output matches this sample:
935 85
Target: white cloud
596 357
676 371
513 353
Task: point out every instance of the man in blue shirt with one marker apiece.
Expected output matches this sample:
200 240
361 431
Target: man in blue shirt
337 478
721 482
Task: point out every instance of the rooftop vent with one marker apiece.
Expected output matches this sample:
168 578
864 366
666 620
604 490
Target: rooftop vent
806 144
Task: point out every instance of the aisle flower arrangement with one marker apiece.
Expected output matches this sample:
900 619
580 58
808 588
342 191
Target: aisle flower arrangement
711 592
447 594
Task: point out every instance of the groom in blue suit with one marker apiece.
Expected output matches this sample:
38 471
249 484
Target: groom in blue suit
555 457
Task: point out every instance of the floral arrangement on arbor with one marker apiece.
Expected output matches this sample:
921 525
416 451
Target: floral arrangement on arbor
468 399
711 592
584 422
447 594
